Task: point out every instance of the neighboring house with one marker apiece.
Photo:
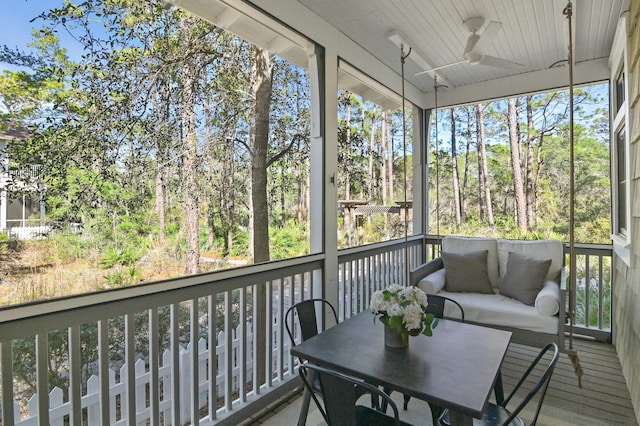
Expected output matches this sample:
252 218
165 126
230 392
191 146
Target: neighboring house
21 212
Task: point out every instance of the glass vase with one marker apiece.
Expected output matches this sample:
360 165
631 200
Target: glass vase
393 340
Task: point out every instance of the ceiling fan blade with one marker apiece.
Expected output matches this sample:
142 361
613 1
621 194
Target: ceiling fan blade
492 61
471 43
487 36
439 68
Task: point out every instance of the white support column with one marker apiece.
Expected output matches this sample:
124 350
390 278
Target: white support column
425 160
419 143
324 159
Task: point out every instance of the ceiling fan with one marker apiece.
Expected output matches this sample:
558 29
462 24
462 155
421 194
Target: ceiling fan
476 46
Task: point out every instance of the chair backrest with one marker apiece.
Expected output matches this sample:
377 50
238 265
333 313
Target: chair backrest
306 312
340 394
540 385
437 306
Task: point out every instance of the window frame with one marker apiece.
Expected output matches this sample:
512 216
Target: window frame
620 147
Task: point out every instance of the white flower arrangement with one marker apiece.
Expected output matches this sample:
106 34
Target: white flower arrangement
404 309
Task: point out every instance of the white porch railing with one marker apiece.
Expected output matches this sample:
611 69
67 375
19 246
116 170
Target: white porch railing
365 269
63 343
59 410
72 339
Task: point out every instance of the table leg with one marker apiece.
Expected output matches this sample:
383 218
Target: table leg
459 419
499 391
306 399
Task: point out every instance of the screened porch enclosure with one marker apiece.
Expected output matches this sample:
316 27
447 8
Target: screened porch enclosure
200 350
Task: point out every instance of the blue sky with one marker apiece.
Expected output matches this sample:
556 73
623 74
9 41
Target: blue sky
14 20
15 28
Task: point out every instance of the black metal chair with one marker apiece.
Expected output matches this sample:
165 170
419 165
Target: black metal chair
341 393
436 306
307 313
498 414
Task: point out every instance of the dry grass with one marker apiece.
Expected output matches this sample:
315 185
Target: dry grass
34 272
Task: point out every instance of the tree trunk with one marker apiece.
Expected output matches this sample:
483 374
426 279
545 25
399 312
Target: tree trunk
161 107
259 147
228 203
189 162
516 165
536 175
531 137
467 164
390 178
261 88
211 234
348 232
372 150
454 169
484 169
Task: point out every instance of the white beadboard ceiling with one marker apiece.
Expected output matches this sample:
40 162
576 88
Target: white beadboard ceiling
534 33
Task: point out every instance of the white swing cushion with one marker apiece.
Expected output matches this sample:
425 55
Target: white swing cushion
433 283
548 300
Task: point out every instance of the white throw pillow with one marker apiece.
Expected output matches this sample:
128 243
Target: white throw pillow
548 299
433 283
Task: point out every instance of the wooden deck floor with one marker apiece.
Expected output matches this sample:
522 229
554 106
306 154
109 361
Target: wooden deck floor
602 400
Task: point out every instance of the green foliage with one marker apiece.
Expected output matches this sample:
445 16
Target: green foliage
123 277
549 178
240 243
113 256
288 242
69 248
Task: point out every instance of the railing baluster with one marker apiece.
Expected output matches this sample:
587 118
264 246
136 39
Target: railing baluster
342 294
194 355
154 366
279 315
130 352
364 288
228 344
75 376
176 406
211 354
42 381
103 370
254 341
587 292
6 368
242 336
600 294
269 340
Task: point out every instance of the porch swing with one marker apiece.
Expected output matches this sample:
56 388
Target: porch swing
527 336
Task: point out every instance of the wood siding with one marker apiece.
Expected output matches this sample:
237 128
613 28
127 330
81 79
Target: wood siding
626 298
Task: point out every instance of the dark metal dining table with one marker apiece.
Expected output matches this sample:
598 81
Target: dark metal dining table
456 368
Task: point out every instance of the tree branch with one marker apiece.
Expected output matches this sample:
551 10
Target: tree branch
287 149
